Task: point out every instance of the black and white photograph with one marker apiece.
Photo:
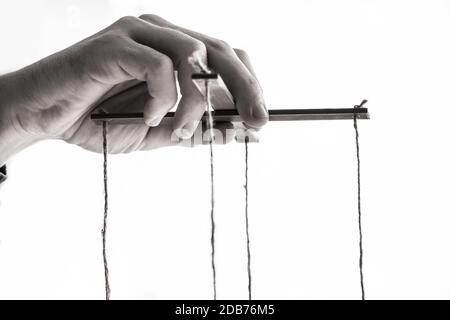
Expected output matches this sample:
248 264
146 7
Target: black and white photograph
246 151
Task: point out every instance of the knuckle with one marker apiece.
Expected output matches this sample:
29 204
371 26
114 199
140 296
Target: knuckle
163 64
219 45
196 52
110 39
197 48
241 53
144 16
149 17
126 21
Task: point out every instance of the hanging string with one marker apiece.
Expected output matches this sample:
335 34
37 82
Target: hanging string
355 126
211 158
105 213
249 271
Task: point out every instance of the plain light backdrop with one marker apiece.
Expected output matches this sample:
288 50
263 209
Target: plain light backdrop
303 210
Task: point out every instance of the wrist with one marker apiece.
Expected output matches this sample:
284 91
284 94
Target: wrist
15 106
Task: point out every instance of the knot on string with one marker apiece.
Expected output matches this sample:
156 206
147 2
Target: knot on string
361 104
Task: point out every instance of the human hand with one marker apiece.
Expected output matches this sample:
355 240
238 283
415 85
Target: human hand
128 67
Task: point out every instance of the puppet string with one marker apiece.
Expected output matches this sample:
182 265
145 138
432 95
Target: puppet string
249 271
211 157
105 212
355 125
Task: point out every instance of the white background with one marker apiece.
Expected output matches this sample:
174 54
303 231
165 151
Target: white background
303 210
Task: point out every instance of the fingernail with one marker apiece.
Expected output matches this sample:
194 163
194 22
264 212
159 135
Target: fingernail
154 122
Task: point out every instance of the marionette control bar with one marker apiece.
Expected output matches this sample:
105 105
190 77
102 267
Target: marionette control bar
223 97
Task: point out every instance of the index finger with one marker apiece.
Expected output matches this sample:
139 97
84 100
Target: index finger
240 81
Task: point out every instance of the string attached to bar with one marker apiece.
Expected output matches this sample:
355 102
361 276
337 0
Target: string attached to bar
355 126
211 157
249 271
105 212
210 123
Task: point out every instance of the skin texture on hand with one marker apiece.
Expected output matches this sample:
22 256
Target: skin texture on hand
131 66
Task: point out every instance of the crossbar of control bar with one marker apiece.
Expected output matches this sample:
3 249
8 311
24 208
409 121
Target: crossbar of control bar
233 115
